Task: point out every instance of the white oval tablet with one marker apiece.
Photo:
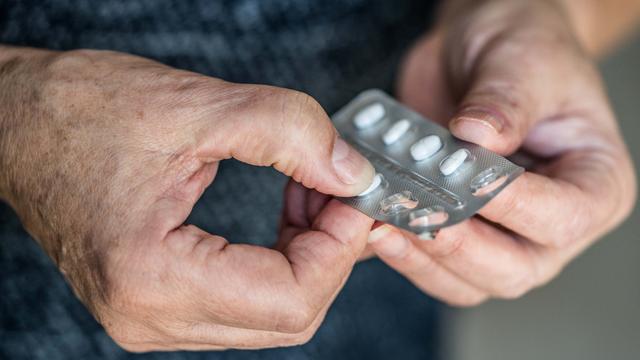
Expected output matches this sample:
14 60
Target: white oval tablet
377 180
450 164
396 131
369 116
425 147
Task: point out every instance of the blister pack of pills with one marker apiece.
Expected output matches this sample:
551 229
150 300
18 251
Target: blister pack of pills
426 179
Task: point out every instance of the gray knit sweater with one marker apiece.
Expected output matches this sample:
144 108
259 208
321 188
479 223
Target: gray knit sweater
331 49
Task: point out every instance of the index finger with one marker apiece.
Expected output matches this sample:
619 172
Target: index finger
259 288
321 259
582 197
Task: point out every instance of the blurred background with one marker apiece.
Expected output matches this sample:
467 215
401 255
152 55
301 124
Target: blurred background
592 310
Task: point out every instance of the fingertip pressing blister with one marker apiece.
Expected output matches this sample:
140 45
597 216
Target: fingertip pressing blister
425 178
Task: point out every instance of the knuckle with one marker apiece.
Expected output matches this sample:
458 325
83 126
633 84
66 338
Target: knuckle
516 287
466 301
307 131
302 102
78 63
185 88
413 268
298 318
548 274
81 78
303 111
65 73
72 59
575 228
448 243
300 321
567 234
167 93
303 338
509 204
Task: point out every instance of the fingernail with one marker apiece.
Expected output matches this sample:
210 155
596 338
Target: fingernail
351 167
388 242
476 125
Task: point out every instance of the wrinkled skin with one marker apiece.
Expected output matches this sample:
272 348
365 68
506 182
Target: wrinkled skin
511 75
103 157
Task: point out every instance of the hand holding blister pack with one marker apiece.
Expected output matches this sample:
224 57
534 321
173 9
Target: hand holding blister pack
426 179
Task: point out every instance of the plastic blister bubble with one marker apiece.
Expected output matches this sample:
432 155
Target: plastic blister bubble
421 187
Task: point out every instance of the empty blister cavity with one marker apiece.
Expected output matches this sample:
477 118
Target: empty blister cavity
432 216
453 162
487 181
377 181
369 116
425 147
396 131
399 202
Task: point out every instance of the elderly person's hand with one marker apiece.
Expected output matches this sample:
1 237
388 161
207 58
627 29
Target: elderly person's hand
103 156
511 76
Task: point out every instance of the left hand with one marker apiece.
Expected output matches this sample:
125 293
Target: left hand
510 75
104 154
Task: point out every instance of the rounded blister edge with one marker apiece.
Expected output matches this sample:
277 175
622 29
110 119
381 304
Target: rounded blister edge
397 203
488 180
428 217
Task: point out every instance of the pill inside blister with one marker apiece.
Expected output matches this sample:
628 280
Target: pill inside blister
377 180
428 217
396 131
453 162
487 181
425 147
423 181
398 202
368 116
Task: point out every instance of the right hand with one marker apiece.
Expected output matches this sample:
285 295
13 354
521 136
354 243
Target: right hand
508 76
103 156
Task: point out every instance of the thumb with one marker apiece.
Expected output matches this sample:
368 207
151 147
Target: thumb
289 130
505 92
